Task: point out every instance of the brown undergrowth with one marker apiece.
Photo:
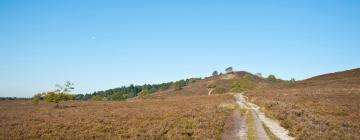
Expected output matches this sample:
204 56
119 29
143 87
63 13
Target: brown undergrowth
324 107
178 117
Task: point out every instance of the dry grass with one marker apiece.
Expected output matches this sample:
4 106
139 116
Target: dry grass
315 109
178 117
250 122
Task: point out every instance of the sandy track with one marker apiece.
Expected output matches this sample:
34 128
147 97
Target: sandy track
260 118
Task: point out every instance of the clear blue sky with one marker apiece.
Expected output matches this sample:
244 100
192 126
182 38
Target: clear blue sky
105 44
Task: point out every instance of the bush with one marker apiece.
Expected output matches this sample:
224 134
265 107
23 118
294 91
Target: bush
272 78
36 99
245 83
118 96
97 98
215 73
144 93
178 85
53 97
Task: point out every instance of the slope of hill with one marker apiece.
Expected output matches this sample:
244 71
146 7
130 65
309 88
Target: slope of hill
322 107
201 87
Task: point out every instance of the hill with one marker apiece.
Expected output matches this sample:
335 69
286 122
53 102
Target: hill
201 87
321 107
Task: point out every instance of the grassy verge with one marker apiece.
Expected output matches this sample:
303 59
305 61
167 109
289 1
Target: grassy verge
269 133
250 121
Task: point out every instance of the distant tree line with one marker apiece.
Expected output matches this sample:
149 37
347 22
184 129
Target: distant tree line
125 92
14 98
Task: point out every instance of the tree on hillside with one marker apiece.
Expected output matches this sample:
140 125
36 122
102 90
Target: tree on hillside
215 73
229 70
272 78
144 93
54 97
178 85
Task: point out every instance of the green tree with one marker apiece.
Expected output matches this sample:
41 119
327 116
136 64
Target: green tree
117 96
60 94
215 73
144 93
229 70
53 97
272 78
178 85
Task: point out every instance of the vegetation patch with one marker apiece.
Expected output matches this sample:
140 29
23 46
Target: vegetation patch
250 122
245 83
180 117
323 107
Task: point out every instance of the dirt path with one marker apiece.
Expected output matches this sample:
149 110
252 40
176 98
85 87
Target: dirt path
261 134
236 128
259 119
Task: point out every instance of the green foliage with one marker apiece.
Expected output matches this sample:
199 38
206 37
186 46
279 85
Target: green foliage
229 70
215 73
178 85
219 90
272 78
245 83
68 87
57 96
36 99
144 93
125 92
118 96
54 97
97 98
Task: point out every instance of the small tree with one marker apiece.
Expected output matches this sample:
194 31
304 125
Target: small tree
229 70
178 85
36 98
144 93
60 94
215 73
53 97
272 78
